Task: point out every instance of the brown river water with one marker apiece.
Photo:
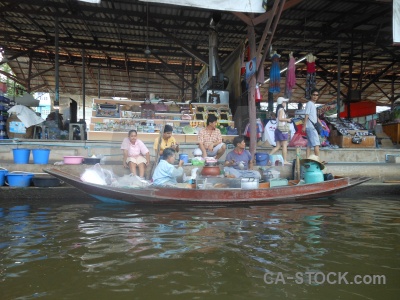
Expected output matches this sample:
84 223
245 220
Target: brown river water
346 248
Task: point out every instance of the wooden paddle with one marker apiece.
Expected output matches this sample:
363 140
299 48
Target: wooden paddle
298 163
158 151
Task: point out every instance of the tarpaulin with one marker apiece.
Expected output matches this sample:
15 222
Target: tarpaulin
359 109
27 116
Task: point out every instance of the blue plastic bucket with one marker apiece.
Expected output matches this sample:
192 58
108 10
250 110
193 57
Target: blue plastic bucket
3 173
21 155
41 156
184 157
19 179
261 159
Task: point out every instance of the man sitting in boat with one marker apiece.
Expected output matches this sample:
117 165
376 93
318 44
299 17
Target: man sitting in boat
239 162
134 151
210 139
165 173
167 141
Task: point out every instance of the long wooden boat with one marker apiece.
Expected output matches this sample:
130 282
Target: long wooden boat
171 195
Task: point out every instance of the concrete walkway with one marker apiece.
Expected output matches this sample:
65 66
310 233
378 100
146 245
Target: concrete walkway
373 162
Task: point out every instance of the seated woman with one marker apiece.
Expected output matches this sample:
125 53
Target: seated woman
167 141
239 162
165 173
134 151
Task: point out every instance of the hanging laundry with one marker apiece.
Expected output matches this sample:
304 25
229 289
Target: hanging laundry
290 76
259 126
275 74
269 132
310 80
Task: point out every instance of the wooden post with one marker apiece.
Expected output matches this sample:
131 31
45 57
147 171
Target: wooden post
297 170
251 94
157 154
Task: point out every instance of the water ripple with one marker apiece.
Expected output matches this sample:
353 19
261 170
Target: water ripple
198 253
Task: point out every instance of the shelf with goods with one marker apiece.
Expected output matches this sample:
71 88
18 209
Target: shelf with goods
129 103
139 102
345 132
114 122
4 107
116 136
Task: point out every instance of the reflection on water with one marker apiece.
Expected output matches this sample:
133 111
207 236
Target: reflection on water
94 251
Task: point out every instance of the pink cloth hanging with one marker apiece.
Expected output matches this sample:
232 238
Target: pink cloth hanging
291 75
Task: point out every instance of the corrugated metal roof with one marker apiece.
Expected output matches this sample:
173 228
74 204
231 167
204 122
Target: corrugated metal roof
114 35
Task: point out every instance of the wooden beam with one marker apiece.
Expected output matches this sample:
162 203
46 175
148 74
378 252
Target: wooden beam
262 18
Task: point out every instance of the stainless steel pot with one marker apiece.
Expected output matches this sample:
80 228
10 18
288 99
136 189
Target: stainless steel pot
250 183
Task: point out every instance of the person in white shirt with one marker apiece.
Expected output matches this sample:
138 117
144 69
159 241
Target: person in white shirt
282 129
310 119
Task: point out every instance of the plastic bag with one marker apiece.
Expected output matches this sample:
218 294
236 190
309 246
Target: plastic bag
129 181
98 175
298 140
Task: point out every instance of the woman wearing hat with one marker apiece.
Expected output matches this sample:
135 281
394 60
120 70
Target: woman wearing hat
282 129
167 141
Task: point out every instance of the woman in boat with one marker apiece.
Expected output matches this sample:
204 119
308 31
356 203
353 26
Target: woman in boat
239 162
282 130
167 141
165 173
135 153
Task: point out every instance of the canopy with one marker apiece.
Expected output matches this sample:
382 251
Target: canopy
27 99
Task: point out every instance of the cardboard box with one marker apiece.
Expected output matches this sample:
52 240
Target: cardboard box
16 129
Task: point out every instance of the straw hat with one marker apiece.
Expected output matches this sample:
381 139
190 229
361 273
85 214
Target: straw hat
315 158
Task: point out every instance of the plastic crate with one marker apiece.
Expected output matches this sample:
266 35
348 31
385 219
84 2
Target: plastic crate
278 182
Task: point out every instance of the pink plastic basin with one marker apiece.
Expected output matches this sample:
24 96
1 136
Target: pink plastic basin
73 160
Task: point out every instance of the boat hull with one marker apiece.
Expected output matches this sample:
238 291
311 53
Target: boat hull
170 195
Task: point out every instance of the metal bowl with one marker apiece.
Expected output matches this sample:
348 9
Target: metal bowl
91 160
46 181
